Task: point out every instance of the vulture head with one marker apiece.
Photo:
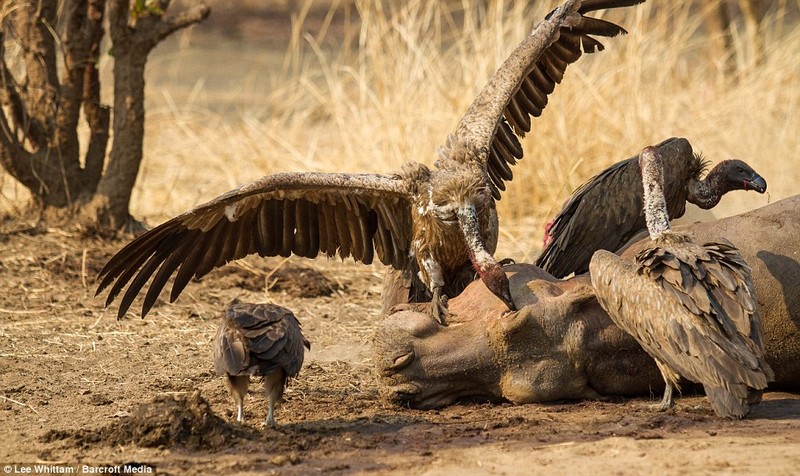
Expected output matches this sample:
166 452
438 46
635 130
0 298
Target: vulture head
738 175
496 281
457 189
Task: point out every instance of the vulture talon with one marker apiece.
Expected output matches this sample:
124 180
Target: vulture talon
439 310
401 307
666 402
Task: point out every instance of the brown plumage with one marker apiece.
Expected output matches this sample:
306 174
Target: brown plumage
258 339
431 224
606 212
692 308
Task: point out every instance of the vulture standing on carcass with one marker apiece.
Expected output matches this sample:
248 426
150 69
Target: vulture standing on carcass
258 339
606 212
692 308
428 223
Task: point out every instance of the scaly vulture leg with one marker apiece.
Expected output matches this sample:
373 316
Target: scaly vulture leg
237 386
274 383
439 309
666 402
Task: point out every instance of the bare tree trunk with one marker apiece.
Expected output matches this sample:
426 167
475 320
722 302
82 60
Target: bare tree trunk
39 142
133 39
39 115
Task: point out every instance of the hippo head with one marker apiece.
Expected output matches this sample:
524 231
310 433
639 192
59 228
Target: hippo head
486 352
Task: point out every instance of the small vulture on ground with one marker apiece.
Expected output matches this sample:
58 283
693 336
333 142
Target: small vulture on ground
692 308
606 212
428 223
258 339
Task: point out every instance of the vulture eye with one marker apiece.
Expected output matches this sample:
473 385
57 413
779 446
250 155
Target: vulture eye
740 170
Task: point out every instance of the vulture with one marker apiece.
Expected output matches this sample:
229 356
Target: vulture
429 223
692 308
258 339
606 212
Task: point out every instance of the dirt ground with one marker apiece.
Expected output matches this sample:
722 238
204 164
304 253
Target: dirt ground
79 387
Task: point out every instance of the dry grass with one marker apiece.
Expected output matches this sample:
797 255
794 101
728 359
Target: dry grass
395 78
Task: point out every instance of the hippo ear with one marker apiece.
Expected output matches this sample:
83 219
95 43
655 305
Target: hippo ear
527 321
578 296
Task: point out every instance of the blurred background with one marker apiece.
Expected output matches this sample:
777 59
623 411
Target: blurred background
364 86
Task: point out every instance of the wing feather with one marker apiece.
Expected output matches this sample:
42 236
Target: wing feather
519 89
301 232
266 229
526 104
692 344
534 94
280 214
606 211
508 143
343 230
313 230
287 240
165 271
520 118
187 267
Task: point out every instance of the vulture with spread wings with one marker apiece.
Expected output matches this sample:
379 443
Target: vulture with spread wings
693 308
428 223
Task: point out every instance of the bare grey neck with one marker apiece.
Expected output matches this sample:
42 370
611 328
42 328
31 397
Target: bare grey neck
708 192
655 205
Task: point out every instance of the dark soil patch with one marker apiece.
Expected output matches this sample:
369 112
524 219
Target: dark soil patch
290 279
165 422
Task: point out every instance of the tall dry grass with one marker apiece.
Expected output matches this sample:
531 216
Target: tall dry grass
395 81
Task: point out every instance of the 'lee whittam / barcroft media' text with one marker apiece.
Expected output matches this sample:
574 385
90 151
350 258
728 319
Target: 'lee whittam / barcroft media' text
77 469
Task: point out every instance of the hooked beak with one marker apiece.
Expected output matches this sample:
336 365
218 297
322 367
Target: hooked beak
506 297
757 183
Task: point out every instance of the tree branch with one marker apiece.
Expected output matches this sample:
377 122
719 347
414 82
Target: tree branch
34 22
76 50
149 29
186 18
118 15
97 115
14 158
10 96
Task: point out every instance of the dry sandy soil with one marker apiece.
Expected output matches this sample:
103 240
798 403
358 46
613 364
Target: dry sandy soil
79 387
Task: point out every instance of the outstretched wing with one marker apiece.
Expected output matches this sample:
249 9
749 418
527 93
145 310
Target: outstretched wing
518 90
606 212
358 215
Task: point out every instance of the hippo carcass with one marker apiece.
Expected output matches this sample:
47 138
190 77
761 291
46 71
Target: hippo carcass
561 344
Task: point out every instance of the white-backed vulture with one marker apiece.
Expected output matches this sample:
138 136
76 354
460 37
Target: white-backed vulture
692 308
258 339
428 223
606 212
